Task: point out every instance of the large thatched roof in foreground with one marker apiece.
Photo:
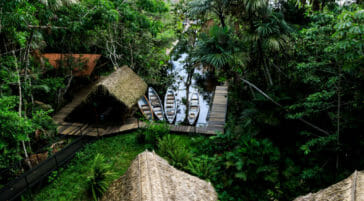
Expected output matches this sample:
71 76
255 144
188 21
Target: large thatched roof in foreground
349 189
151 178
123 84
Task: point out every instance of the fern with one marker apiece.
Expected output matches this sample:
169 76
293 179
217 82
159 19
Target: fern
99 178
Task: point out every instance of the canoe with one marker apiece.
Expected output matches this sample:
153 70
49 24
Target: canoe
156 103
145 108
193 108
170 106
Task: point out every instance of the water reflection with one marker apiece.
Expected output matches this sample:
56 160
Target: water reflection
198 83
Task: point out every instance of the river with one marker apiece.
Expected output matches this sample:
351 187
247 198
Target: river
179 86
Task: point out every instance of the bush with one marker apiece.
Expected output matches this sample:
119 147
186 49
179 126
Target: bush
152 133
99 178
202 166
175 150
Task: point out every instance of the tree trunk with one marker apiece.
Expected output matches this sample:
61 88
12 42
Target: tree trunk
338 115
268 72
303 3
323 3
315 5
188 84
267 75
20 108
222 20
62 92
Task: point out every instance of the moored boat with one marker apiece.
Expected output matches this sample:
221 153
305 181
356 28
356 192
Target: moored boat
193 108
145 108
170 106
156 103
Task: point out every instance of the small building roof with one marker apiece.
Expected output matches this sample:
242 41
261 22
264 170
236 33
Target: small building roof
123 84
150 177
88 62
349 189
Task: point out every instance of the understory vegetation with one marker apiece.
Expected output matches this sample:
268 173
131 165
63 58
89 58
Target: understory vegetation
73 182
92 170
295 71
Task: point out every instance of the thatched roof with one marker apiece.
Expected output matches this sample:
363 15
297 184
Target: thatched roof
349 189
123 84
151 178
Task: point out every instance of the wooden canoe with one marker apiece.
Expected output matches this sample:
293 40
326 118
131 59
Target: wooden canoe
170 106
193 108
156 103
145 108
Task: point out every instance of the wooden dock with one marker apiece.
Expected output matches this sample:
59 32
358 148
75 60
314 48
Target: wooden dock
216 120
217 117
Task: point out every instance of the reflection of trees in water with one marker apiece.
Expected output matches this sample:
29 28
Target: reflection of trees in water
206 84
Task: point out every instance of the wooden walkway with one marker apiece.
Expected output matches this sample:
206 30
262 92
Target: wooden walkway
218 111
216 120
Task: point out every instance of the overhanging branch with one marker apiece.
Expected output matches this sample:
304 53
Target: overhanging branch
276 103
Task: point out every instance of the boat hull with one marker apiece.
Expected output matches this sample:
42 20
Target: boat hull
156 104
145 108
170 106
193 108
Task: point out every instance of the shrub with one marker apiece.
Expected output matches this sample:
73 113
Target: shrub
152 133
100 177
175 150
202 166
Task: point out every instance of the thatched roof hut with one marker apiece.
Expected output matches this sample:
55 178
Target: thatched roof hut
124 85
110 100
349 189
151 178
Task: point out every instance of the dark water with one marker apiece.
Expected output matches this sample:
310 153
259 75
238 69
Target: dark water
199 84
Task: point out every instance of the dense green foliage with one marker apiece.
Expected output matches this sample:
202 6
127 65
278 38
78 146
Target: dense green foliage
294 69
133 33
295 95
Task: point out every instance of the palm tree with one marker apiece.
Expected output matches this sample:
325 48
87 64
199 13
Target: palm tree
202 7
268 35
265 31
220 50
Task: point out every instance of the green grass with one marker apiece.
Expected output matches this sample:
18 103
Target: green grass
70 184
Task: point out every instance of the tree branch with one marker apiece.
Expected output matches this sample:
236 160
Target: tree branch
276 103
45 27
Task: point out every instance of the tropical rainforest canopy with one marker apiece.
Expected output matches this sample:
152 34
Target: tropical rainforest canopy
295 71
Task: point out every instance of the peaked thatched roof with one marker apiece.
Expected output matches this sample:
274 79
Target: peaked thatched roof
123 84
151 178
349 189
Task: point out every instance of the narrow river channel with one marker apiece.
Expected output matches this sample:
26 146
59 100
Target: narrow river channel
179 86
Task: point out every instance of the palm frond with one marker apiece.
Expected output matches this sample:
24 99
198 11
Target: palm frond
198 7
